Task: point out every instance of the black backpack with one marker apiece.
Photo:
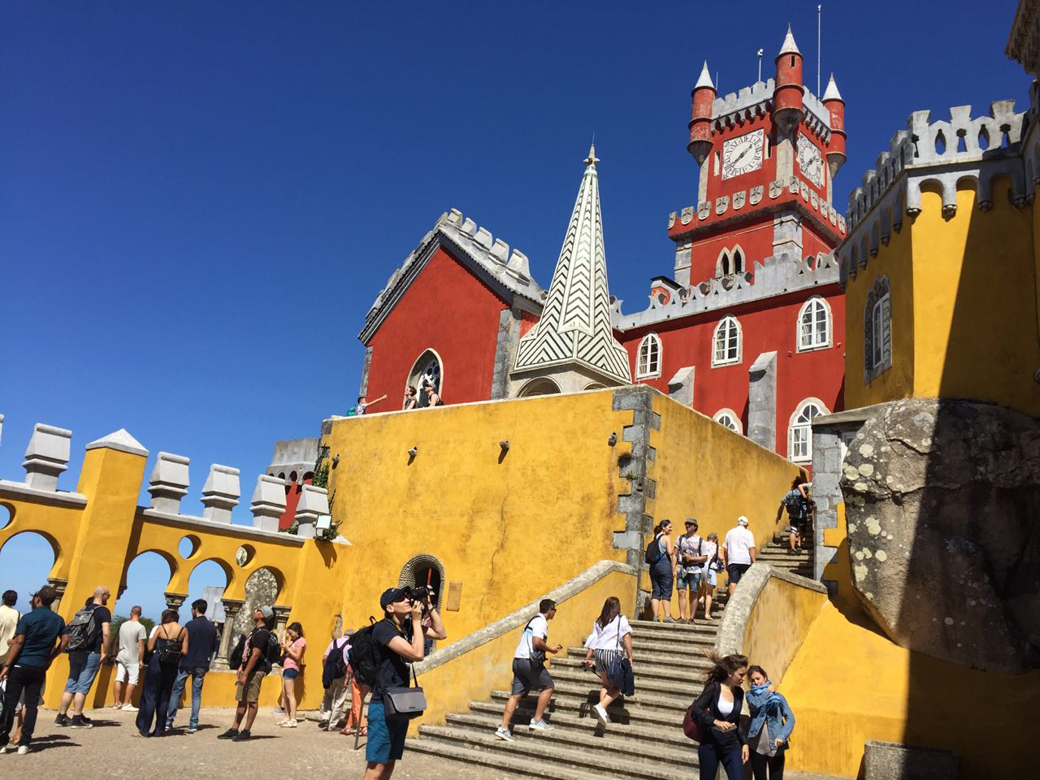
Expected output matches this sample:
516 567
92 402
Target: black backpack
363 656
81 630
653 551
335 666
274 652
235 656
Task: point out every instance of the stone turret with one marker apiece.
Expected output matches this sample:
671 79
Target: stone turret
703 98
835 106
789 94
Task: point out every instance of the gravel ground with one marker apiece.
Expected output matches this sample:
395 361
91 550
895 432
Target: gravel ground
109 750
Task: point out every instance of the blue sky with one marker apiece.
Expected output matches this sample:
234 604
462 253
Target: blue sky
199 201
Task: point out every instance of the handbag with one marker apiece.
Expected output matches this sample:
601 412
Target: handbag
691 727
404 703
620 670
538 657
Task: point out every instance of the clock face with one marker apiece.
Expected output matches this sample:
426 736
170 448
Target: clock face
810 161
742 155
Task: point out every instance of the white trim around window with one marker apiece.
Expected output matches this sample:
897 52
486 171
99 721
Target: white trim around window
648 357
727 343
799 431
729 419
815 325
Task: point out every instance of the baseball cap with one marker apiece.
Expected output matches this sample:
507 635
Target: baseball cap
742 521
267 612
390 595
690 521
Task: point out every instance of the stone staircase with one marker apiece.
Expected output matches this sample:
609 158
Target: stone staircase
777 556
644 740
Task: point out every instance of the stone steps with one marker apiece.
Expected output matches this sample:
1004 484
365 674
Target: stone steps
643 669
576 694
625 724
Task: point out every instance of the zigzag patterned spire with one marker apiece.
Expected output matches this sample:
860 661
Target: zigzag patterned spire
575 324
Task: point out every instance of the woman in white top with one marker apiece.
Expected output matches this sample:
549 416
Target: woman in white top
611 637
709 576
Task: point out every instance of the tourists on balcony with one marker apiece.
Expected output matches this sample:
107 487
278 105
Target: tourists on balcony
529 672
609 645
252 657
168 645
689 570
38 639
411 401
204 645
662 572
432 396
771 724
709 573
293 646
717 710
130 641
797 503
88 648
738 552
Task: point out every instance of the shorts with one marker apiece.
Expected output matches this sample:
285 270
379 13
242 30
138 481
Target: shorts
127 672
604 659
661 580
736 571
250 692
385 738
710 578
290 674
688 578
83 668
528 676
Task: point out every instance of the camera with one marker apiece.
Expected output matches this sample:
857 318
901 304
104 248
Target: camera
418 593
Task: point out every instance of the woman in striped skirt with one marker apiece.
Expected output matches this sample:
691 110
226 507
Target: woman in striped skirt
610 640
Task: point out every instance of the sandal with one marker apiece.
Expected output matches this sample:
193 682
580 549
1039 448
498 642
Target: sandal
349 731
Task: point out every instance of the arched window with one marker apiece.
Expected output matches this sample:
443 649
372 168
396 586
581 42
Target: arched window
730 419
738 262
799 434
814 325
648 357
727 342
877 330
541 386
427 369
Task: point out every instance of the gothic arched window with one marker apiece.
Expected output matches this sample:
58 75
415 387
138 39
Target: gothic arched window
728 418
428 369
648 357
814 325
799 433
726 342
877 330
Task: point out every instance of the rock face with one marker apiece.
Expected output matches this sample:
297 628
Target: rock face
943 506
261 589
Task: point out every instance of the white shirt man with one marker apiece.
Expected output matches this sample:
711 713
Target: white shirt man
9 617
738 552
129 660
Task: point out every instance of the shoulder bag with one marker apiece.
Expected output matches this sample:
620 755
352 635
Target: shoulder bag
537 656
404 703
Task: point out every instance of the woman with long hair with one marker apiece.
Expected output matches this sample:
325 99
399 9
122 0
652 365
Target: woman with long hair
710 574
167 645
662 573
294 646
771 725
609 642
717 710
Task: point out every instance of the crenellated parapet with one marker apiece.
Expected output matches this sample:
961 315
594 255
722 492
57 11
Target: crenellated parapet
755 101
773 276
938 155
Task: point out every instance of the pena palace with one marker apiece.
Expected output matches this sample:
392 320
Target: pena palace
747 328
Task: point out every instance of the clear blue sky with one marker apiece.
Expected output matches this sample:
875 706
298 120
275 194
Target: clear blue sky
199 201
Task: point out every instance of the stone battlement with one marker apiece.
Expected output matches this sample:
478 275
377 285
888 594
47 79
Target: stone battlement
755 101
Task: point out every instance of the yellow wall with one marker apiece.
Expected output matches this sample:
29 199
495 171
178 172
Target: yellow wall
779 623
964 303
706 471
849 683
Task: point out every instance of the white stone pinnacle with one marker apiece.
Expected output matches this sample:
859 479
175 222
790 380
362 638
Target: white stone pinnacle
831 93
705 78
789 47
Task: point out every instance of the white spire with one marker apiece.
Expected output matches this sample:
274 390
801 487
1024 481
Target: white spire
705 78
789 47
575 328
831 93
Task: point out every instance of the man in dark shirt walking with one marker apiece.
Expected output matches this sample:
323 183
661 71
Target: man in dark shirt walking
35 644
251 674
84 663
202 646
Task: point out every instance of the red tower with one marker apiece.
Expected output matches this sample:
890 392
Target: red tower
789 95
702 96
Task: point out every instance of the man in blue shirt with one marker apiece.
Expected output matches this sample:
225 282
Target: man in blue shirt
202 646
35 644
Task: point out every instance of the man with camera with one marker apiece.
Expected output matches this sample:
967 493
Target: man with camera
529 671
400 640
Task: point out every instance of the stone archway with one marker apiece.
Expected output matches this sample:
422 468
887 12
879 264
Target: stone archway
424 570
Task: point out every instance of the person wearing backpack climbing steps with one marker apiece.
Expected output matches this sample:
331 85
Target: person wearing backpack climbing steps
690 558
529 672
258 653
88 641
398 640
798 505
660 555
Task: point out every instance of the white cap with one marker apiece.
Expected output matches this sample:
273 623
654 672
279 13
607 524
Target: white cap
742 521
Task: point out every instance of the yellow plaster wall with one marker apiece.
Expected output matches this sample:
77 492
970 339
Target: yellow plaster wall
779 623
704 470
895 261
849 683
472 676
509 528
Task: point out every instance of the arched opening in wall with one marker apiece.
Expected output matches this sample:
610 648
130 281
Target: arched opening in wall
6 515
208 582
26 560
738 261
263 589
425 571
541 386
145 582
428 369
594 386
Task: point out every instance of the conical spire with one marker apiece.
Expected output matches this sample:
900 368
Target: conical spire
705 78
831 93
789 47
575 328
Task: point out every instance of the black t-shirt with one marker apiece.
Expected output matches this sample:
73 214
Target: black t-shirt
260 639
393 669
101 615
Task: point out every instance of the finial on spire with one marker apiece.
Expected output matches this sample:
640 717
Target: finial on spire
705 78
592 159
831 93
789 47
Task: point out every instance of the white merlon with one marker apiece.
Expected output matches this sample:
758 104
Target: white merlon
705 78
169 482
220 494
754 101
119 440
831 93
46 456
268 502
313 503
789 46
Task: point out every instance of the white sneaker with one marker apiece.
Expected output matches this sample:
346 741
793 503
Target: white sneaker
601 714
504 734
117 706
6 748
129 708
23 749
539 725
